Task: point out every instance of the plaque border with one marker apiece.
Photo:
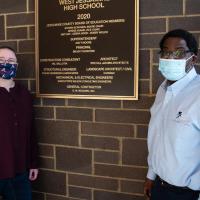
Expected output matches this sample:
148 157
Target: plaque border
78 96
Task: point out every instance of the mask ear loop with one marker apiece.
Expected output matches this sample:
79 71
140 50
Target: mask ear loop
191 66
17 64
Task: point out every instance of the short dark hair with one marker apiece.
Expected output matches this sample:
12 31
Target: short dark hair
8 47
187 36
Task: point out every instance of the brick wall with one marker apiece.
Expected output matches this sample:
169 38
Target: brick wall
95 149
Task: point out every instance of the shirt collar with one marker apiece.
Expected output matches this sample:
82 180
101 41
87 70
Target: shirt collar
180 84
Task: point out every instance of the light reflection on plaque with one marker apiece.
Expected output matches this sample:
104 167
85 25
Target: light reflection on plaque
87 49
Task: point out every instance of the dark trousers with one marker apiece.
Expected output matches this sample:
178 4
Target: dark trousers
17 188
162 191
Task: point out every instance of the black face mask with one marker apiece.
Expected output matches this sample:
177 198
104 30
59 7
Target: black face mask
8 71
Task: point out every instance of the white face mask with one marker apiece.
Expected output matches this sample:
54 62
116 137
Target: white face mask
173 69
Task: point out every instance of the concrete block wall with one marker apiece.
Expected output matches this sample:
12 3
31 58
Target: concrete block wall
95 149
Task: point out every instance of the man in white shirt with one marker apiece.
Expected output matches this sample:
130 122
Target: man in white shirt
174 128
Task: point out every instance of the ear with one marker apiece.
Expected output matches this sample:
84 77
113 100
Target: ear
194 59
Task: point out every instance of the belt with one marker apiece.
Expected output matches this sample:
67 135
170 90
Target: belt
165 184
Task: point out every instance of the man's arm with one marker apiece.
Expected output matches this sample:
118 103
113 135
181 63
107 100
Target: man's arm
147 187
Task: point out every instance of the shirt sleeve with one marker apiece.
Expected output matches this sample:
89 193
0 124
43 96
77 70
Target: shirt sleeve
150 174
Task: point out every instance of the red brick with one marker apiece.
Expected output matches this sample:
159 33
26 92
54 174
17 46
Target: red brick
160 8
147 26
46 182
132 187
192 7
54 197
142 131
45 150
27 46
32 32
144 102
12 44
134 152
82 114
150 40
105 129
17 33
157 79
144 87
93 182
20 19
44 112
120 171
12 6
2 30
31 5
47 163
26 67
122 116
100 142
144 64
81 193
106 157
57 132
102 195
188 23
74 160
156 56
94 103
53 102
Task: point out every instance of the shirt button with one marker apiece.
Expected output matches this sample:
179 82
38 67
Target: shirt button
16 124
14 114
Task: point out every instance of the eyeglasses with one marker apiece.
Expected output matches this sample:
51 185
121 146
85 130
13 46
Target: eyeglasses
178 54
10 61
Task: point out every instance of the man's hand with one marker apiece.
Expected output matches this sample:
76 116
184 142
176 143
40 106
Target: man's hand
147 188
33 173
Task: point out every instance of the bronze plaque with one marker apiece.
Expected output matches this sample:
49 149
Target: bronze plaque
87 49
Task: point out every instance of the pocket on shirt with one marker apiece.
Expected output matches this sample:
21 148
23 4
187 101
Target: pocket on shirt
183 121
187 136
